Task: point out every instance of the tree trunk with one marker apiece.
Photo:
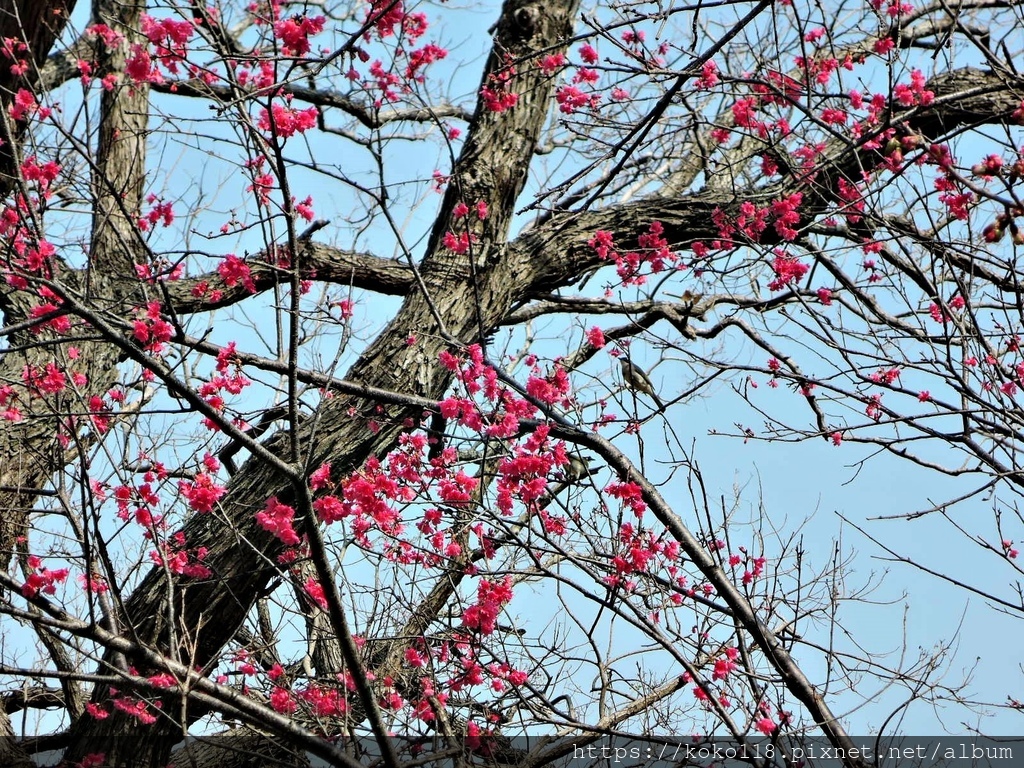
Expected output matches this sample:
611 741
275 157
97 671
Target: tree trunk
466 296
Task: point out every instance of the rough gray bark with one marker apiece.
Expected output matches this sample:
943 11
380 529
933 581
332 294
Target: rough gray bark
37 24
457 299
30 450
11 754
239 748
471 297
459 302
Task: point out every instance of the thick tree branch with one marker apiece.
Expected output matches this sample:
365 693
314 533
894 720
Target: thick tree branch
453 298
33 26
963 97
465 297
320 262
324 98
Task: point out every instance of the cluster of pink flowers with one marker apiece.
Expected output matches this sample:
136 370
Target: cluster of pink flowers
169 39
281 700
136 708
726 665
284 122
294 32
223 381
640 551
162 212
479 378
885 375
653 252
43 175
43 380
914 93
277 518
491 597
554 388
151 330
24 106
367 496
785 213
15 50
461 210
709 76
389 18
420 58
203 491
497 93
263 182
458 243
788 270
523 476
234 271
41 579
424 708
324 701
8 398
175 556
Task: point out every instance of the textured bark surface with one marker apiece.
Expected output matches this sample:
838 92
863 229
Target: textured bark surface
239 748
27 450
469 296
37 24
11 754
31 450
455 299
26 459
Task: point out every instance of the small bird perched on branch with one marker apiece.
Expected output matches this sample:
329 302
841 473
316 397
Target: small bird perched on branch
635 379
578 469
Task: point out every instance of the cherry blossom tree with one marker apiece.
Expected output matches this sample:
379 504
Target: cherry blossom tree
312 436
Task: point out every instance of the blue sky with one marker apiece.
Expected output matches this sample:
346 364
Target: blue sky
788 490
